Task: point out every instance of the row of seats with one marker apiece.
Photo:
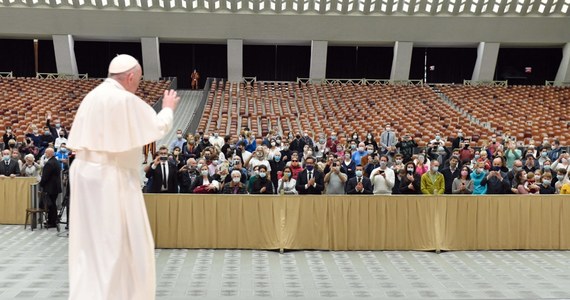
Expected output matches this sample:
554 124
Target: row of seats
25 101
324 108
525 112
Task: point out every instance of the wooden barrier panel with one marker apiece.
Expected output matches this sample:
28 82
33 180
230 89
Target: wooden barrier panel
14 199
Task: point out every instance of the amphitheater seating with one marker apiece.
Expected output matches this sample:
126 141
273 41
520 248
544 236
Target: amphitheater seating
25 101
324 108
526 112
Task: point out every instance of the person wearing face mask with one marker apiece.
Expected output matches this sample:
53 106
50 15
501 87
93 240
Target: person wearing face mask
178 141
295 143
411 182
321 147
310 180
187 175
406 147
450 173
339 150
463 184
262 184
205 183
335 180
561 179
370 140
477 176
8 167
295 165
277 164
439 153
205 143
497 181
359 184
512 154
563 162
542 157
258 158
62 155
383 178
234 186
530 164
273 148
229 145
348 165
555 150
306 140
332 142
8 135
422 166
517 166
30 168
466 154
546 184
34 134
432 182
177 157
216 140
286 184
237 165
58 130
398 163
359 153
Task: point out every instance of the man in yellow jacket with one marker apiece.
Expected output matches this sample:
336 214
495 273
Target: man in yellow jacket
433 182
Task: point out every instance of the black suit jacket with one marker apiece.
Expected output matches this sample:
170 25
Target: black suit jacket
449 177
51 180
351 186
302 181
156 175
12 168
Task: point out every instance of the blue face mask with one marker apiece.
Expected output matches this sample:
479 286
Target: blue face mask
310 168
358 173
277 158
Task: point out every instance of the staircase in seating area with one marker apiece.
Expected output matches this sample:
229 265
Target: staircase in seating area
460 110
189 102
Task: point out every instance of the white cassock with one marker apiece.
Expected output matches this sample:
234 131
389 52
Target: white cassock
111 249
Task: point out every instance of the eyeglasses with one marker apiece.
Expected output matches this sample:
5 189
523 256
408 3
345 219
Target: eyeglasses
294 160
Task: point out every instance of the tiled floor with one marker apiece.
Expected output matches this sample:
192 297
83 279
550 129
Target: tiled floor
34 265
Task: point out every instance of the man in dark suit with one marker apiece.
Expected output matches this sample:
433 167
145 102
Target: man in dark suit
310 180
164 174
450 173
359 184
187 175
8 166
51 185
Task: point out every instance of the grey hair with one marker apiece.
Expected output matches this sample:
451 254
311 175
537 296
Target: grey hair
236 172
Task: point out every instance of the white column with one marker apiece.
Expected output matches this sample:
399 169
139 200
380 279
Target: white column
402 61
318 69
487 54
65 54
563 74
151 58
235 60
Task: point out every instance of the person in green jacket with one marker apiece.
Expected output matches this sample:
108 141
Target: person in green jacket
433 182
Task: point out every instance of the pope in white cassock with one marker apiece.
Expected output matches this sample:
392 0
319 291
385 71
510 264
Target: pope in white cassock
111 249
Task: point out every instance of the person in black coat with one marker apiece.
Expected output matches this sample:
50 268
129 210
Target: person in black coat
167 183
187 175
204 180
450 173
51 186
8 165
497 181
359 184
411 184
316 184
262 184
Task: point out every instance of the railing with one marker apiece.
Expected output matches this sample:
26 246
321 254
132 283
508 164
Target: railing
197 114
557 83
500 83
360 81
250 80
6 75
61 76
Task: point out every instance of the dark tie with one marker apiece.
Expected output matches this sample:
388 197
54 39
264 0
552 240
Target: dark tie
163 176
310 175
359 179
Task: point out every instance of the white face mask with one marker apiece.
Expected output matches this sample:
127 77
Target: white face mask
236 179
204 172
435 169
